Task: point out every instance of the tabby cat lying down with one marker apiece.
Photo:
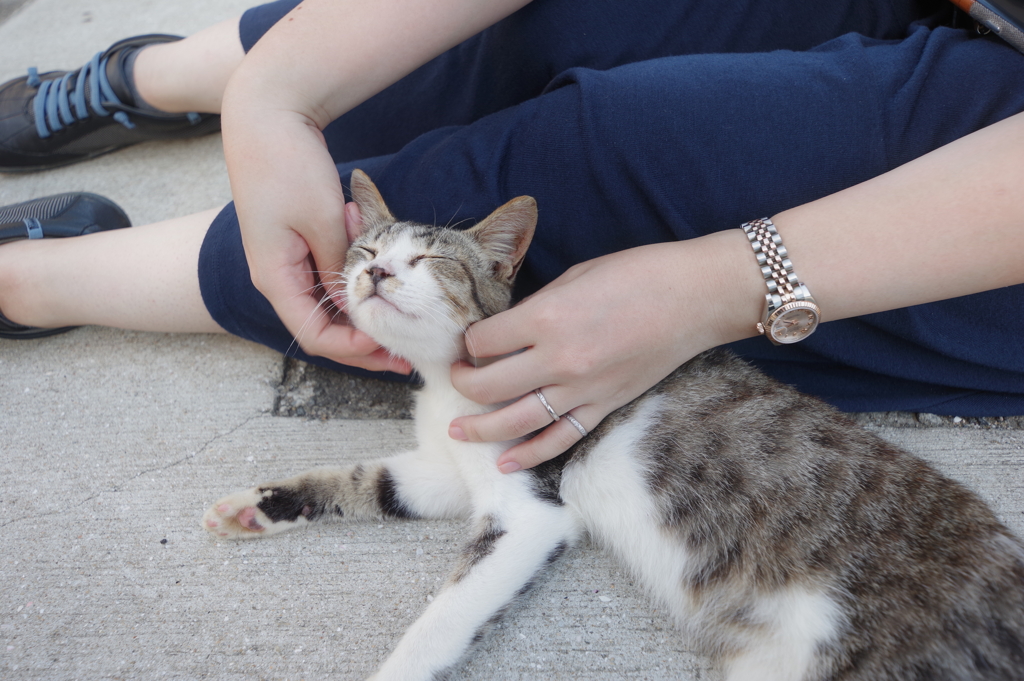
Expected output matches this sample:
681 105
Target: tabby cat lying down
823 553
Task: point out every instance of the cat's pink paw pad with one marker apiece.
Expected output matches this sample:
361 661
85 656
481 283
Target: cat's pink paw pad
236 515
247 518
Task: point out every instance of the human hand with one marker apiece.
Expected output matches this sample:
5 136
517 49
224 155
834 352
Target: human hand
292 214
313 66
599 336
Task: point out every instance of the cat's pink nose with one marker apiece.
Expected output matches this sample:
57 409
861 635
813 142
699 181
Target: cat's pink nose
377 274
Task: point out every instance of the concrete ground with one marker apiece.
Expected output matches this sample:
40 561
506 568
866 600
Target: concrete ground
112 443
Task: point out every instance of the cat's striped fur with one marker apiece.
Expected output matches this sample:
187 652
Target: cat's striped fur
820 553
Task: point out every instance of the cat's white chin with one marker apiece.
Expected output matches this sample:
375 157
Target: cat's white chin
377 301
375 314
421 340
421 349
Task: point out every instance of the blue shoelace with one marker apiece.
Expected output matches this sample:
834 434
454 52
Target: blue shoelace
53 103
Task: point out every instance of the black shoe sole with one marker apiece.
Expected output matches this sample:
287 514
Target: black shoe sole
202 129
59 217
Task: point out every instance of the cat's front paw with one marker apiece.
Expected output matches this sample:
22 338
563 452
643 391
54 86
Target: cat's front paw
239 515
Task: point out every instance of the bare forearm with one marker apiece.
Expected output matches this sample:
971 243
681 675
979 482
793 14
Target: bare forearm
327 56
948 224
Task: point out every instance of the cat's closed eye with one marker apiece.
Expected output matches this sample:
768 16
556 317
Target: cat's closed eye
418 258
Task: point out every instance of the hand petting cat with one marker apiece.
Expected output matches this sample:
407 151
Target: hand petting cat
608 329
296 230
599 336
287 193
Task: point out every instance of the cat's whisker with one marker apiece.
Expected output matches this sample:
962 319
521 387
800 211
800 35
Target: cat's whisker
441 313
455 225
320 310
322 307
324 274
448 225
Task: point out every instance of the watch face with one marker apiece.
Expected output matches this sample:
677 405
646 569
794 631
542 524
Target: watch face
794 325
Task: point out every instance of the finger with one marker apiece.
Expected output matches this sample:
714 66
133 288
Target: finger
380 360
292 291
352 347
506 379
353 221
552 441
329 245
317 334
520 418
499 335
309 314
314 330
334 285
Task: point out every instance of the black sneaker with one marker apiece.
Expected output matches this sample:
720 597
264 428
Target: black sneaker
55 217
53 119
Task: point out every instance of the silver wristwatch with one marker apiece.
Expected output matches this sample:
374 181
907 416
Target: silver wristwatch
790 313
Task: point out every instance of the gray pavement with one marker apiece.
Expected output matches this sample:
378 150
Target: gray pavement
9 7
112 443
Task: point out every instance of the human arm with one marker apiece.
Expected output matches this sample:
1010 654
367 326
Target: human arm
319 61
948 224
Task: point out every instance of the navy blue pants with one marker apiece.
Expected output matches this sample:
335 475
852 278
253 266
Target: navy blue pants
644 122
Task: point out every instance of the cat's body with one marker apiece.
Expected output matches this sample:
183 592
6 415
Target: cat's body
818 553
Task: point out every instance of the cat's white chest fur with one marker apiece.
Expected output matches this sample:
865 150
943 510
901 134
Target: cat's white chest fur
475 462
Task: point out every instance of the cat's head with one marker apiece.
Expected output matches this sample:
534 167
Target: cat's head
415 288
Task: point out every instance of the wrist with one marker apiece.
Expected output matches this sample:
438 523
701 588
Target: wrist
790 312
731 292
742 286
262 93
260 142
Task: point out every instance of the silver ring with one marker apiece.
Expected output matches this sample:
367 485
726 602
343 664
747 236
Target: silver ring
552 412
579 426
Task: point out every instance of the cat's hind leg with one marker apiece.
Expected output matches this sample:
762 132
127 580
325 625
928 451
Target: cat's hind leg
497 567
409 485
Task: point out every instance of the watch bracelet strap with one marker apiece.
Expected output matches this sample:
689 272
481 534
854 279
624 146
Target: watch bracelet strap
776 268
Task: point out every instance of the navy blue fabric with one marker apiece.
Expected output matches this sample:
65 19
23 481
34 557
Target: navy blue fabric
633 126
257 20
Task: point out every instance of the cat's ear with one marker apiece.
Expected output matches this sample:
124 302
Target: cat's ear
371 204
506 233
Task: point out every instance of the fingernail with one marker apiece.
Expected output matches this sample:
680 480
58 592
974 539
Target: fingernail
456 433
509 467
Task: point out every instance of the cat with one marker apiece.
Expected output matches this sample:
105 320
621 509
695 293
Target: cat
787 542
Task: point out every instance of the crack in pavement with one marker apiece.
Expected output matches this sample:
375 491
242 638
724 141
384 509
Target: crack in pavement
118 487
